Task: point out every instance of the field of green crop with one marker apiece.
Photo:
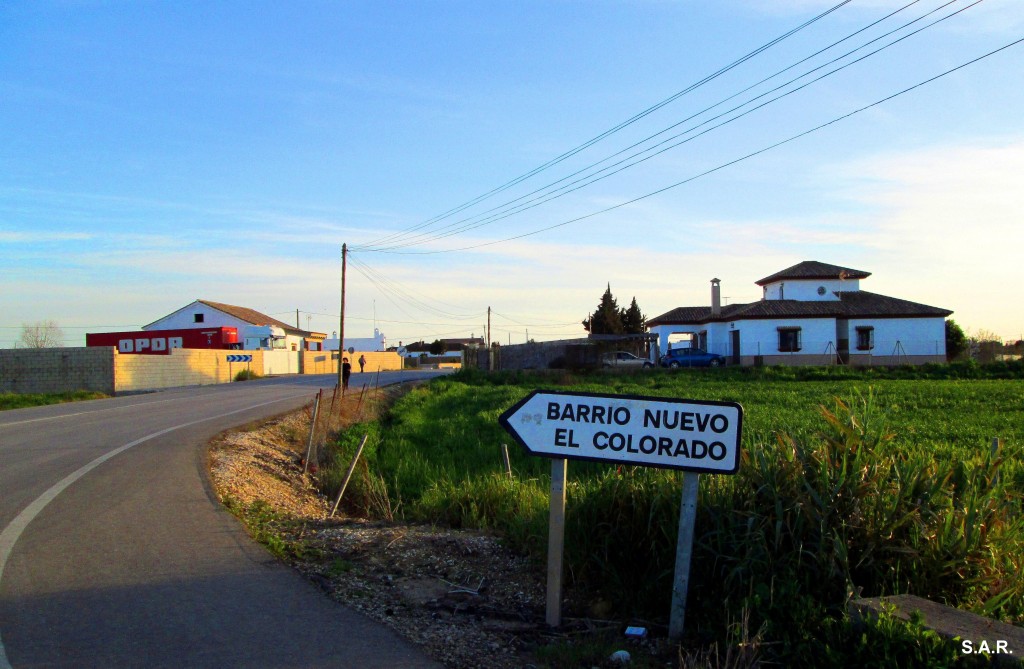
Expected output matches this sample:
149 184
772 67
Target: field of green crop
851 482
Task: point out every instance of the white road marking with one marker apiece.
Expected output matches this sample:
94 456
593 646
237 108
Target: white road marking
13 531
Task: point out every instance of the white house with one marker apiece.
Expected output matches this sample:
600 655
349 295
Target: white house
811 314
255 330
376 343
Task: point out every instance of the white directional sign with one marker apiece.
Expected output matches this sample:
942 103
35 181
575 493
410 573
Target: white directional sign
652 431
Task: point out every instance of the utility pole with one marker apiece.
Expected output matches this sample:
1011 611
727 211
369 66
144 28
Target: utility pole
488 327
341 322
297 326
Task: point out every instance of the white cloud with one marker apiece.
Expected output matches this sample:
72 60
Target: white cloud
945 224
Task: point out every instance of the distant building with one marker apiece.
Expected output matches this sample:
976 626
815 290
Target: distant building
812 313
376 343
421 347
255 330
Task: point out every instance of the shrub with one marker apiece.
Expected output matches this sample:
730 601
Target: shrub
246 375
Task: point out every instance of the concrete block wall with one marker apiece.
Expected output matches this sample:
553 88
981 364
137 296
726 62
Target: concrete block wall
57 370
326 362
103 369
535 355
182 367
277 362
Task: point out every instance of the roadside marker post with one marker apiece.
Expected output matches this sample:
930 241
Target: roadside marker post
694 436
504 457
312 431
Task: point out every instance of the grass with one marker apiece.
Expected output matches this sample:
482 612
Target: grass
271 529
25 400
874 481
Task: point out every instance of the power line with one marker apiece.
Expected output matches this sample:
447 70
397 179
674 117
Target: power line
607 133
726 164
386 284
625 163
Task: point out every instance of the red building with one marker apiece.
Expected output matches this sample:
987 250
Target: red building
160 342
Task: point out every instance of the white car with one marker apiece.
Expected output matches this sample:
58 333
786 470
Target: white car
625 360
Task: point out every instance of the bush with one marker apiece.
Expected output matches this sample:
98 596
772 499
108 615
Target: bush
246 375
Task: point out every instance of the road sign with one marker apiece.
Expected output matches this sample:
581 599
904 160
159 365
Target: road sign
692 435
239 358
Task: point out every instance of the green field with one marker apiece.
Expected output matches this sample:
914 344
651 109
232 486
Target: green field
877 482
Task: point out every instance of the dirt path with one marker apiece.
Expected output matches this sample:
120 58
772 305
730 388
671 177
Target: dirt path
463 596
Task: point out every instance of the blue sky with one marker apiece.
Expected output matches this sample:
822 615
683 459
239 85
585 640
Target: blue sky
153 153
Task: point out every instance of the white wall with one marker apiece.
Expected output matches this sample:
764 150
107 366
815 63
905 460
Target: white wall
761 337
916 336
184 319
807 291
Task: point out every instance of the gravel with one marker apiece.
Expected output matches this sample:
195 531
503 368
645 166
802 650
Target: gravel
467 599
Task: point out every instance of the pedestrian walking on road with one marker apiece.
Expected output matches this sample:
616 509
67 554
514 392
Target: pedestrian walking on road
362 363
346 371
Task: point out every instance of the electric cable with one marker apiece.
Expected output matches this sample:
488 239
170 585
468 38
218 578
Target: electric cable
625 163
613 130
722 165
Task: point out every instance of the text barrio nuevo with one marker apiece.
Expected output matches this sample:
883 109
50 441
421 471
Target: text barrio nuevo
658 432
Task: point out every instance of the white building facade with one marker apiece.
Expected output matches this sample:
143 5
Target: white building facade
255 330
811 314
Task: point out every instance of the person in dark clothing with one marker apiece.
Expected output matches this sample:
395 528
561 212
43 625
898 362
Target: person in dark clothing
362 363
346 371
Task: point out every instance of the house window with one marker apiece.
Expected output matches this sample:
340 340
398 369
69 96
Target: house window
199 318
789 340
865 338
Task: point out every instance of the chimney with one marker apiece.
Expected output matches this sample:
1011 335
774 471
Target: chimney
716 297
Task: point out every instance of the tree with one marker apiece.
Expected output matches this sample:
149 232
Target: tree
610 319
41 334
437 347
607 319
956 340
633 320
985 345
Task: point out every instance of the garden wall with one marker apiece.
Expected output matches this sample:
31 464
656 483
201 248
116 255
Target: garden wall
57 370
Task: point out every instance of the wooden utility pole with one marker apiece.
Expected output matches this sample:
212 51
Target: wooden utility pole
488 327
341 321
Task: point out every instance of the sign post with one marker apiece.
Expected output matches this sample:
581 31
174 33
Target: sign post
692 435
684 551
556 542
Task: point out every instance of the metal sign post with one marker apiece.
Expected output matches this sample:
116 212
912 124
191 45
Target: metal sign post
556 542
691 435
684 551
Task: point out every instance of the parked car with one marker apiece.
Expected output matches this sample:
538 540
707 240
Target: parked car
691 357
623 359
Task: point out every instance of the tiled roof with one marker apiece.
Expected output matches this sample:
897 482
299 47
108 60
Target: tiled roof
812 269
253 316
862 304
856 304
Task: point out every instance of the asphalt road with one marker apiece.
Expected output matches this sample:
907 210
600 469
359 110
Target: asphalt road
114 552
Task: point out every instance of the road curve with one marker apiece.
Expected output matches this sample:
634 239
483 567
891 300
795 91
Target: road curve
114 552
